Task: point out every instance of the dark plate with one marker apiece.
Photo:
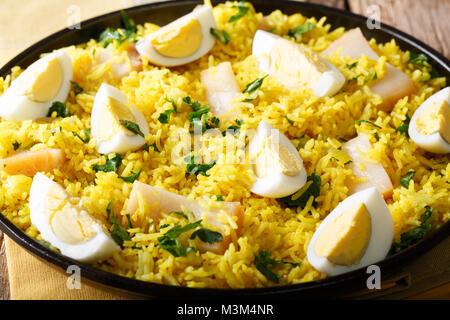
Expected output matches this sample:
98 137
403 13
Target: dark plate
161 14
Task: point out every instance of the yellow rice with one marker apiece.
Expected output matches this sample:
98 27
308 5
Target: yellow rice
267 225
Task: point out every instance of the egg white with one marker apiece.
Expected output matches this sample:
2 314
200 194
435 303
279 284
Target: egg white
277 184
328 84
204 16
120 142
97 248
15 106
380 239
431 142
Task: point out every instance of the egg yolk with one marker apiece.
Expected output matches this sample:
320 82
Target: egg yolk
179 41
435 118
344 240
294 65
274 157
42 82
114 111
69 223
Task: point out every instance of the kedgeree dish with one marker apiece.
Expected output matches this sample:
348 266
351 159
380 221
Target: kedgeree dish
226 149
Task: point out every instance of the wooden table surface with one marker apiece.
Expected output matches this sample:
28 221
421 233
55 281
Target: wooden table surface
425 20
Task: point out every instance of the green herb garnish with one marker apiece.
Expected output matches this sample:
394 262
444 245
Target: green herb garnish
111 164
233 129
301 197
132 177
169 241
87 135
197 169
367 121
351 65
118 232
404 127
132 126
179 213
301 29
207 235
406 179
264 263
121 35
243 8
165 116
254 85
413 236
77 89
200 116
220 35
16 145
421 60
289 120
60 108
219 197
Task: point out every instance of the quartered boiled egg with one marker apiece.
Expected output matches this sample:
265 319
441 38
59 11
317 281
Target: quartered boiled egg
357 233
278 168
295 65
109 118
66 225
31 95
181 41
429 127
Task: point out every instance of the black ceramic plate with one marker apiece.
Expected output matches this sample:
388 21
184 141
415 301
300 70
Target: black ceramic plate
161 14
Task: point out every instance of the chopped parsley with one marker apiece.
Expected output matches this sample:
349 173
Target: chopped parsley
179 213
132 177
351 65
112 164
254 85
60 108
220 35
200 116
413 236
301 29
16 145
367 121
264 264
219 197
421 60
406 179
207 235
146 147
165 116
197 169
118 232
77 89
121 35
132 126
301 197
404 127
289 120
87 135
233 129
243 8
169 241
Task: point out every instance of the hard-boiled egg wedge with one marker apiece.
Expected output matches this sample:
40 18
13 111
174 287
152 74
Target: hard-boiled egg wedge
181 41
66 225
294 65
278 168
357 233
31 95
429 127
110 114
